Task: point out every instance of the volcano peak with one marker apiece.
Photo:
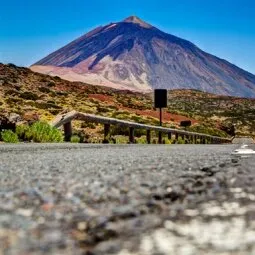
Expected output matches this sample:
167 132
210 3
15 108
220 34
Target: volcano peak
137 20
132 54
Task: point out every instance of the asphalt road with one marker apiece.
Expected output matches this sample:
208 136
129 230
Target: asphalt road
126 200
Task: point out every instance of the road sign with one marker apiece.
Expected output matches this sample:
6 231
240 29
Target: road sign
160 101
160 98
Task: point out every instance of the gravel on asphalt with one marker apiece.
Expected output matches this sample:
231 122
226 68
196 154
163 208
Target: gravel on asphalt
126 200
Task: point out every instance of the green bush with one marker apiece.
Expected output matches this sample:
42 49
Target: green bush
42 132
21 131
119 130
167 141
120 139
75 139
140 132
9 136
180 141
141 140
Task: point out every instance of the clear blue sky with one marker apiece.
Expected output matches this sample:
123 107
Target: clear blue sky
29 30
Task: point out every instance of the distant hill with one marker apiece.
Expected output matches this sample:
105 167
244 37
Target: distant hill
134 55
28 94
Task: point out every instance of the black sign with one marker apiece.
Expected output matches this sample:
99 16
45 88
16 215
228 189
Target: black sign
160 98
185 123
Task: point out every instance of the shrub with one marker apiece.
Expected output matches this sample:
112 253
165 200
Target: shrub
43 79
140 132
9 136
11 92
21 131
119 130
54 111
51 84
88 125
42 132
102 109
120 139
59 93
43 105
138 119
141 140
154 141
180 141
44 90
12 100
75 139
29 95
207 130
167 141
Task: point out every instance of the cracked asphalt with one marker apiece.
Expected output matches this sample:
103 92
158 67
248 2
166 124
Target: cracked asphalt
126 200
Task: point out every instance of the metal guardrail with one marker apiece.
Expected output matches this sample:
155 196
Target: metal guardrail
66 119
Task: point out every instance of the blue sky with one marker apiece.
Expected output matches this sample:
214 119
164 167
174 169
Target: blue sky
29 30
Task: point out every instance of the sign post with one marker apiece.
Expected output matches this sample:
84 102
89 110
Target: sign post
160 101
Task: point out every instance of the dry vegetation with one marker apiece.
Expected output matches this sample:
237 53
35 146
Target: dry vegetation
220 111
28 93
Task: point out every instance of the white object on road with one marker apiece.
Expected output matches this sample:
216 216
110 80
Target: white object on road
243 150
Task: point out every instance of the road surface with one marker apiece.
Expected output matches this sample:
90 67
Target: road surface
126 200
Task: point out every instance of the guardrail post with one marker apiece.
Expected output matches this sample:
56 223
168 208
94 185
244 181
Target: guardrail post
131 135
183 138
148 136
176 137
68 131
106 133
160 137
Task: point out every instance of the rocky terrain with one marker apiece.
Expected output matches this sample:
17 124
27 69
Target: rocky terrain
32 95
129 199
134 55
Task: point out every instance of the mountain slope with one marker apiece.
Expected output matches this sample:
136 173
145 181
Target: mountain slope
31 94
135 55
